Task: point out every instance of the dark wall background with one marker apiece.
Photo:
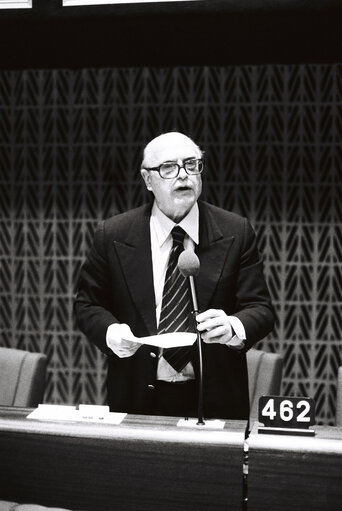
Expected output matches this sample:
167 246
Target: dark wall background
70 149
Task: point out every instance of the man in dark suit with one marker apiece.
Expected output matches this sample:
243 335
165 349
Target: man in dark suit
121 292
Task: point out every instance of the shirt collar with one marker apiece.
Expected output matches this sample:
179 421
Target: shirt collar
164 224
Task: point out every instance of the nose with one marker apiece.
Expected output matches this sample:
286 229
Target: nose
182 174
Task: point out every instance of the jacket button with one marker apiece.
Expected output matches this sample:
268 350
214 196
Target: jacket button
151 387
152 354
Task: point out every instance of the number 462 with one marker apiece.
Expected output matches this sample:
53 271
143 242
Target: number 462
287 410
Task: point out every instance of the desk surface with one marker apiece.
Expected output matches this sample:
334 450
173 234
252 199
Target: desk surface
297 473
145 463
133 426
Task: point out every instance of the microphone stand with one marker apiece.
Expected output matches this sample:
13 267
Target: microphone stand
200 359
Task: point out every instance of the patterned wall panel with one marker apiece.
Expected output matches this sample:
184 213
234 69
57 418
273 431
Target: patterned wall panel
70 149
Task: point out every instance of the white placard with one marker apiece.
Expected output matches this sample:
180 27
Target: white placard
85 413
15 4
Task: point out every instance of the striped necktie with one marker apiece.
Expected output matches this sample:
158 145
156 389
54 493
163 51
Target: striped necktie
175 312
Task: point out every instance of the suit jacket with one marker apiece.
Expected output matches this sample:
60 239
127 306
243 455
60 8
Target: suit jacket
116 285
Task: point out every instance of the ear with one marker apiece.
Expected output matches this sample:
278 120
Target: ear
147 178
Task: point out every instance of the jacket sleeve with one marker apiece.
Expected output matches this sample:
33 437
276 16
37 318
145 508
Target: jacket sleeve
253 302
92 304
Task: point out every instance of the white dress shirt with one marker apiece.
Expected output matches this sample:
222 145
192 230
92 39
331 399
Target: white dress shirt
161 244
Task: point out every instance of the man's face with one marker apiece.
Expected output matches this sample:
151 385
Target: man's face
174 197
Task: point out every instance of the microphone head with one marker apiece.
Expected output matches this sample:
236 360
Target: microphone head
188 263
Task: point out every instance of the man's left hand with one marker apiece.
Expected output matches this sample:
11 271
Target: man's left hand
215 327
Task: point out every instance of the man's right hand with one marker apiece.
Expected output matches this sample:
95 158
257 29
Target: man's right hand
120 340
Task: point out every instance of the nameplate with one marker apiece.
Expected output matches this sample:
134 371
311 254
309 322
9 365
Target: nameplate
84 413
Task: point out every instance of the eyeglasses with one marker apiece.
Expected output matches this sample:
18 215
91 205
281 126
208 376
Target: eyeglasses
170 169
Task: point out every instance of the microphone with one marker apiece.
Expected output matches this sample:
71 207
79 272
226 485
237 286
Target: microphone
188 263
189 266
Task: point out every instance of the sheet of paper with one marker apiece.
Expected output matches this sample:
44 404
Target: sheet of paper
169 340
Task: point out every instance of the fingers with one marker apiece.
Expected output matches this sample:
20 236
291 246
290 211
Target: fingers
211 319
210 324
127 351
220 335
215 332
210 313
126 333
126 346
214 326
236 344
121 340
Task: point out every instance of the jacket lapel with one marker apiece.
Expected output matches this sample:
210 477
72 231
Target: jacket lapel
212 252
136 261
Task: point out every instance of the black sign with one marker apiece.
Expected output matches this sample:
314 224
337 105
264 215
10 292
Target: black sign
287 412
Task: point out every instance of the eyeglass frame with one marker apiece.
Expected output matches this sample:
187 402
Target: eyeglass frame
157 169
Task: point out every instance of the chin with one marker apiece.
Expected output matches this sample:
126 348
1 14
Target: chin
181 210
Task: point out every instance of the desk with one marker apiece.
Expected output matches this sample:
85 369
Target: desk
295 473
145 463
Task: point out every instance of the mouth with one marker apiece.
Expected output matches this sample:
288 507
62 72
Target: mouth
183 189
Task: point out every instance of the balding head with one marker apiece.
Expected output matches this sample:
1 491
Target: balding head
166 145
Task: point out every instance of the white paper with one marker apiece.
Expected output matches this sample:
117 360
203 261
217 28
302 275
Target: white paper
86 413
169 340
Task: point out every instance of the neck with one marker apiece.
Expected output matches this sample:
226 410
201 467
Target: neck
176 216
